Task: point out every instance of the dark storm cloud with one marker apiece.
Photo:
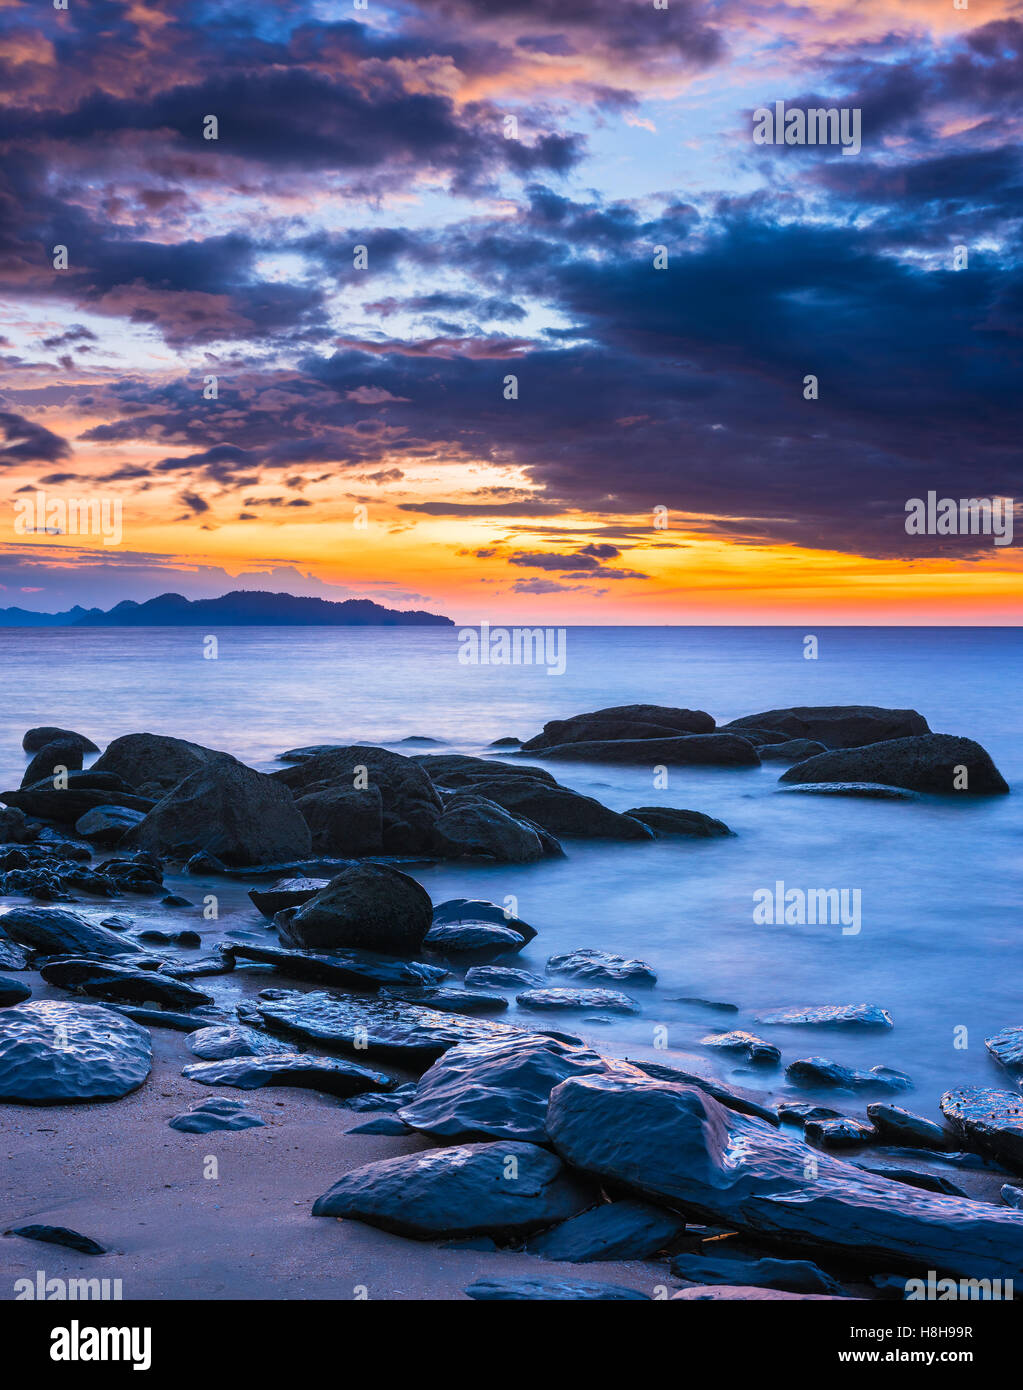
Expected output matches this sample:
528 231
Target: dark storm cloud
24 441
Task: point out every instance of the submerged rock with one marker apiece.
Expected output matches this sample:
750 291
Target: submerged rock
793 1276
472 938
447 997
624 1230
222 1040
988 1118
842 1132
719 750
368 906
900 1126
838 726
870 791
53 931
501 977
752 1048
506 1189
13 991
830 1016
554 998
821 1071
589 964
551 1291
57 1053
669 820
929 763
621 722
329 1074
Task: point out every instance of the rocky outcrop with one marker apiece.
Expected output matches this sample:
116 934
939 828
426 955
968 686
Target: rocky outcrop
153 761
669 820
717 750
53 931
367 906
621 722
226 809
837 726
936 763
58 1053
501 1190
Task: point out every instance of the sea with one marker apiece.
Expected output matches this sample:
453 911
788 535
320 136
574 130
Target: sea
940 879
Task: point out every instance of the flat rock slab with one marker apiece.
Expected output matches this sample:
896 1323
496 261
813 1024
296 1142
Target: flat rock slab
794 1276
53 931
675 1144
988 1118
387 1029
210 1116
12 957
589 964
447 998
58 1053
625 1230
1006 1047
501 977
164 1018
472 938
351 969
504 1189
329 1074
103 980
551 1290
223 1040
671 820
821 1071
829 1016
555 998
870 791
59 1235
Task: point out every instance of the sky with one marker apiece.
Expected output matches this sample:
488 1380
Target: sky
496 307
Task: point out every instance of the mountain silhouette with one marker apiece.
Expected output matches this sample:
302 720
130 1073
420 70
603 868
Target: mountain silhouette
241 608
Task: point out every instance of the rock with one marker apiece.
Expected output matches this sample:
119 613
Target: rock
830 1016
719 750
343 820
57 1053
53 931
558 810
621 722
224 1040
472 938
107 825
385 1029
226 809
480 910
62 755
795 750
669 820
463 1191
13 991
458 770
219 963
106 980
793 1276
366 906
821 1071
1006 1047
915 1177
870 791
286 892
350 969
312 750
154 760
208 1116
409 804
329 1074
166 1018
445 997
900 1126
59 1235
838 726
152 935
175 900
67 804
473 827
382 1124
497 1089
675 1145
11 956
989 1119
589 964
505 743
728 1293
501 977
624 1230
717 1005
36 739
609 999
802 1110
14 829
843 1132
928 763
1012 1196
753 1049
550 1291
387 1102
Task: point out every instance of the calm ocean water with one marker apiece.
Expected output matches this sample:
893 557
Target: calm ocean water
941 944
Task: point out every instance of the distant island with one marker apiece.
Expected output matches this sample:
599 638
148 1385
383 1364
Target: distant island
241 608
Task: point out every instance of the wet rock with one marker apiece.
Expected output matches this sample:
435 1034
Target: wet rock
551 1291
106 980
472 939
695 1002
67 804
1013 1196
718 750
386 1102
557 809
13 991
53 931
165 1018
36 739
625 1230
350 969
676 1145
915 1177
382 1124
107 825
57 1053
554 998
589 964
505 743
1006 1047
802 1110
367 906
216 1043
462 1191
669 820
344 821
14 829
729 1293
821 1071
456 770
286 892
154 760
989 1119
501 977
621 722
328 1074
387 1029
830 1016
870 791
475 827
793 1276
497 1089
210 1116
59 1235
311 750
843 1132
446 997
61 755
900 1126
480 910
228 810
928 763
12 957
175 900
795 750
838 726
751 1048
154 936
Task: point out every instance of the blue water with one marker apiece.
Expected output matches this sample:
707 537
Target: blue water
941 944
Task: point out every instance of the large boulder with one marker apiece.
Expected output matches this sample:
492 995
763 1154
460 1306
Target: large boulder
621 722
226 809
370 906
675 1145
62 754
559 810
53 931
504 1190
153 760
344 821
409 804
58 1053
473 827
837 726
718 750
35 739
927 763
